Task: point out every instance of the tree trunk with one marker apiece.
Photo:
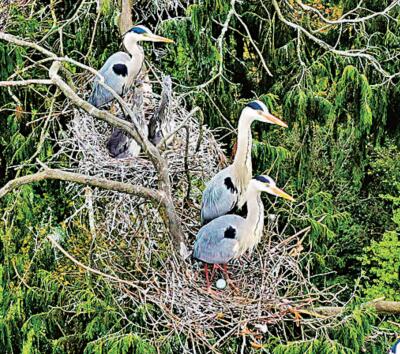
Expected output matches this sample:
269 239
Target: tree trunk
173 225
125 18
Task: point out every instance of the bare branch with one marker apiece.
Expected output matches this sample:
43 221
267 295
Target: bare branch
55 174
391 307
12 39
343 18
254 44
95 271
354 53
26 82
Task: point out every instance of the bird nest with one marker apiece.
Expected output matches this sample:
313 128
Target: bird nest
129 241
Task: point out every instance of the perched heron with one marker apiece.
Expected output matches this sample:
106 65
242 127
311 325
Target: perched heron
395 349
230 236
121 69
225 190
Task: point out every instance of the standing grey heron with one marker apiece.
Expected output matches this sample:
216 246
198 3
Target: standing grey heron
230 236
121 69
225 190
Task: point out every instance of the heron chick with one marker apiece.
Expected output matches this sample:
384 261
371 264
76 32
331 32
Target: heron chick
226 189
230 236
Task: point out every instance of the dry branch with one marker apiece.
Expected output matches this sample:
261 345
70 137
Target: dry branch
353 53
103 183
92 270
26 82
343 19
388 307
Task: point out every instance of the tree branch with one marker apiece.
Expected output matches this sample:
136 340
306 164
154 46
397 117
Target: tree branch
388 307
55 174
95 271
343 18
354 53
26 82
21 42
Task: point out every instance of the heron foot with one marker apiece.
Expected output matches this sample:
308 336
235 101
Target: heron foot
213 293
232 285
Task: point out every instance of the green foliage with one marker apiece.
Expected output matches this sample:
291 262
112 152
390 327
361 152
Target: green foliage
380 258
382 263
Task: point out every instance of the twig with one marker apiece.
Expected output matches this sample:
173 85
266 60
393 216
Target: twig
95 271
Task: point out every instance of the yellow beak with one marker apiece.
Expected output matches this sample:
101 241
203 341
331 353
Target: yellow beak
272 119
155 38
281 193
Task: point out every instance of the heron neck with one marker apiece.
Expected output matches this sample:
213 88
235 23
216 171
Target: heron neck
255 216
134 49
242 162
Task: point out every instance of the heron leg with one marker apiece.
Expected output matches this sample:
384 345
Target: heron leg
215 267
228 279
207 278
212 292
113 108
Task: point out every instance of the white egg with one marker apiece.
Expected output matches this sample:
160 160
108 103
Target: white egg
221 283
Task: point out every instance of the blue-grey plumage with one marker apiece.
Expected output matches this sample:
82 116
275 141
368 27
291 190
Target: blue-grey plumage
226 189
121 69
220 196
115 73
395 349
216 242
118 144
229 236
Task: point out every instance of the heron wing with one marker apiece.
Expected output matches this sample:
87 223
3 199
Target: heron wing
118 143
217 242
115 73
219 197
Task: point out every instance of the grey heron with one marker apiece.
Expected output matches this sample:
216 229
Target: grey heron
230 236
121 69
225 190
395 349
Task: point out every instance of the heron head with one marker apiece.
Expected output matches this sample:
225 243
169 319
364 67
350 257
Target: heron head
142 33
267 184
257 110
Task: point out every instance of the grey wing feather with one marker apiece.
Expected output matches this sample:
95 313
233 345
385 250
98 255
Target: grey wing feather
100 95
118 144
217 198
212 246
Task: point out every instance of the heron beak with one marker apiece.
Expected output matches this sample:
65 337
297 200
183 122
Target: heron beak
272 119
155 38
280 193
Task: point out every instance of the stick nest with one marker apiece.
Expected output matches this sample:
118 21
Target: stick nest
128 240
